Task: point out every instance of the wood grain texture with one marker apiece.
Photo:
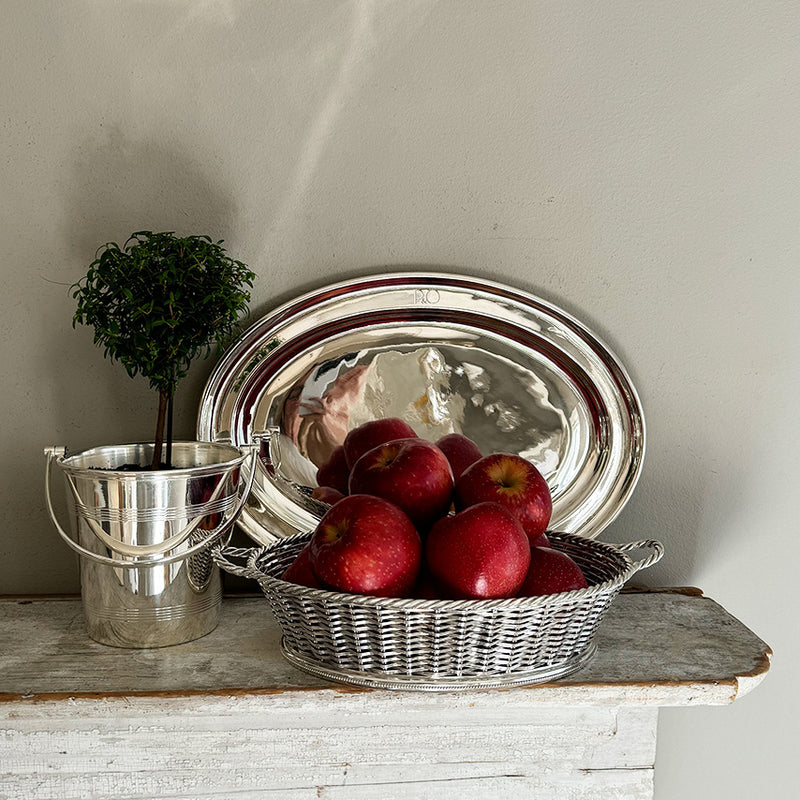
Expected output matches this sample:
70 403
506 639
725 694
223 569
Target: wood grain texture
659 648
239 749
226 717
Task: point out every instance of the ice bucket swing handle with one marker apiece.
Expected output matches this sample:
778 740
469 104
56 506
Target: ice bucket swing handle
159 549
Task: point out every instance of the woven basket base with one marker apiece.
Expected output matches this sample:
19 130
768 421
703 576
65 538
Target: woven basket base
437 683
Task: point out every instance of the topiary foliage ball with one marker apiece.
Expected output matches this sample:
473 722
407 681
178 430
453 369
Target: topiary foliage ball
161 301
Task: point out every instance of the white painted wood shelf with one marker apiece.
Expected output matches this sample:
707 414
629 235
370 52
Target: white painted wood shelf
226 717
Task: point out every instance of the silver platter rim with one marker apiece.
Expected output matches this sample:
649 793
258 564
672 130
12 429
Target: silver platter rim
273 511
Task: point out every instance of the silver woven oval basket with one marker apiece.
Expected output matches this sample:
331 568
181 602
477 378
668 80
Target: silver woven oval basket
440 645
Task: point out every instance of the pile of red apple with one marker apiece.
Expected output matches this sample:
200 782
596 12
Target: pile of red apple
412 518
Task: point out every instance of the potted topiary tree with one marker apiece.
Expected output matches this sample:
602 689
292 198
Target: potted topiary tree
146 515
158 303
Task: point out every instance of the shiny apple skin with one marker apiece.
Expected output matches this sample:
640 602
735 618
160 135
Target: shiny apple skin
335 473
460 451
299 571
327 494
373 433
366 545
513 482
480 553
551 572
412 473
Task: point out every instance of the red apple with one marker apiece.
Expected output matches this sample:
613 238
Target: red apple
541 541
373 433
511 481
460 450
411 473
551 571
480 553
335 472
327 494
299 571
366 545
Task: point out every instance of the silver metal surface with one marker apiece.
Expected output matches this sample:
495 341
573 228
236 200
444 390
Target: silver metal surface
446 353
147 579
376 680
440 645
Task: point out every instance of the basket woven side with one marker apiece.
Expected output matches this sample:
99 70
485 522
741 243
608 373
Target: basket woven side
442 639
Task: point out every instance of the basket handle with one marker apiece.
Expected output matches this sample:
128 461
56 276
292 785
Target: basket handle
222 558
646 544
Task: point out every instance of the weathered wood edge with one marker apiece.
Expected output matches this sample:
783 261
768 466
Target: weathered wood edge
688 591
739 685
742 684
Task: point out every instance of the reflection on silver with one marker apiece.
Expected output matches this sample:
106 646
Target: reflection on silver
446 353
145 537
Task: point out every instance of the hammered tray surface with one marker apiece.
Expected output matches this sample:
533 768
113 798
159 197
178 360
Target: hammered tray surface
446 353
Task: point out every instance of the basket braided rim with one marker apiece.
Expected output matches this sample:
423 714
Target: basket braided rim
271 582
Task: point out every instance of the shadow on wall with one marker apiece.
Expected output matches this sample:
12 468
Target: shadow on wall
117 186
668 508
120 186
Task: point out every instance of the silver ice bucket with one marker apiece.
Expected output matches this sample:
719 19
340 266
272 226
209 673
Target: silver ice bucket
145 537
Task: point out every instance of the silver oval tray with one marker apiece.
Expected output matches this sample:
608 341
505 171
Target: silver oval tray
447 353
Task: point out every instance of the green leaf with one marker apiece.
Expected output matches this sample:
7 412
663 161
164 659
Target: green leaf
161 301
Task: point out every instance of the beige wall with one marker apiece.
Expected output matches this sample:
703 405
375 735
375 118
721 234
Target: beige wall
634 162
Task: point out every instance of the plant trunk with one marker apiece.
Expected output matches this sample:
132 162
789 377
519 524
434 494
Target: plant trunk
163 403
170 405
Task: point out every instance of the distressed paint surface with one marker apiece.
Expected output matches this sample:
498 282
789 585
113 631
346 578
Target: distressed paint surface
226 717
147 750
662 648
